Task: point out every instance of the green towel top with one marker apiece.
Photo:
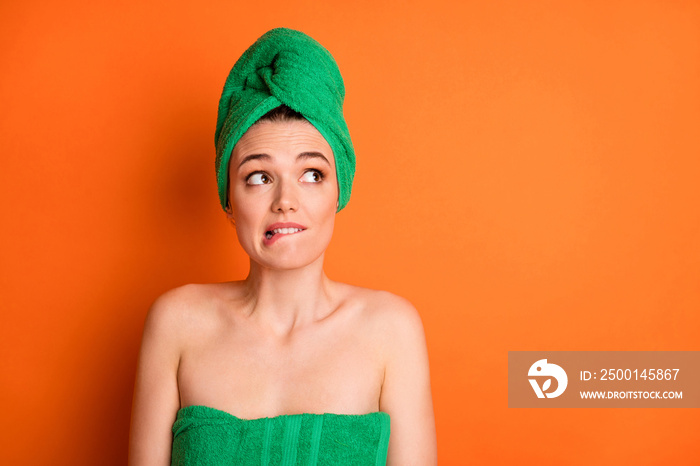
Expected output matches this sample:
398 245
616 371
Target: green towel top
287 67
208 436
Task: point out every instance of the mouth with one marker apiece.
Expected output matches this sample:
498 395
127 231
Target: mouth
281 231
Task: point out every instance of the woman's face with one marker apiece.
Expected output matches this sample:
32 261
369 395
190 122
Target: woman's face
283 193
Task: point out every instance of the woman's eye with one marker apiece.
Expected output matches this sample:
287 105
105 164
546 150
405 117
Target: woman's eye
311 176
258 178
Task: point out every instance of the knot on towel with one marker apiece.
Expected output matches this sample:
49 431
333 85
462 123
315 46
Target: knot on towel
287 67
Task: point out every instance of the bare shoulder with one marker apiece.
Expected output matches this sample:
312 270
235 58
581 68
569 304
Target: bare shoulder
178 311
179 300
402 324
394 316
156 392
405 392
386 306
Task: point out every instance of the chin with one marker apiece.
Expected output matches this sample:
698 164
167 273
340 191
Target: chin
291 262
287 258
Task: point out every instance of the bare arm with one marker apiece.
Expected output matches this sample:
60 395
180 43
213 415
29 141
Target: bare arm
406 393
156 395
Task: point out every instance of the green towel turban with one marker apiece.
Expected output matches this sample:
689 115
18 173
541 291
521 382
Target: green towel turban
287 67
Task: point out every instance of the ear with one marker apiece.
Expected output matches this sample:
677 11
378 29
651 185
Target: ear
229 214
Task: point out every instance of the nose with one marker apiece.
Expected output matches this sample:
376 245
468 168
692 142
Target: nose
285 199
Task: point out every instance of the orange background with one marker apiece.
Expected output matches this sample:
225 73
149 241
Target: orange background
527 177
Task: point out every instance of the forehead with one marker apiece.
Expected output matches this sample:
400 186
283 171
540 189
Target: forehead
280 138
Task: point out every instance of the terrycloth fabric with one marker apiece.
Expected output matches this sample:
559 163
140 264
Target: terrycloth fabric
208 436
288 67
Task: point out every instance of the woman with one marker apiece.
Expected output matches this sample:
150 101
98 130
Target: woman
286 366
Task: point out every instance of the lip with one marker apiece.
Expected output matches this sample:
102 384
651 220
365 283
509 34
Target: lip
273 226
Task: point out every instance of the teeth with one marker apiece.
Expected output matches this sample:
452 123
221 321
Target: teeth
286 231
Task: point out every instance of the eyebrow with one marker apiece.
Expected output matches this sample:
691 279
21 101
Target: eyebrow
303 155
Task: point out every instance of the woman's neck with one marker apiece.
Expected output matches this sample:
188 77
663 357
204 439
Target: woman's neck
285 300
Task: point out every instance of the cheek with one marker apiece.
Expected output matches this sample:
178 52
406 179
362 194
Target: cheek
244 224
325 205
244 215
327 211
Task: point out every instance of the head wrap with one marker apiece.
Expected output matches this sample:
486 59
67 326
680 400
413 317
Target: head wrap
287 67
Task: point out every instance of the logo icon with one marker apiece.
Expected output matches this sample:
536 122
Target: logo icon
544 369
